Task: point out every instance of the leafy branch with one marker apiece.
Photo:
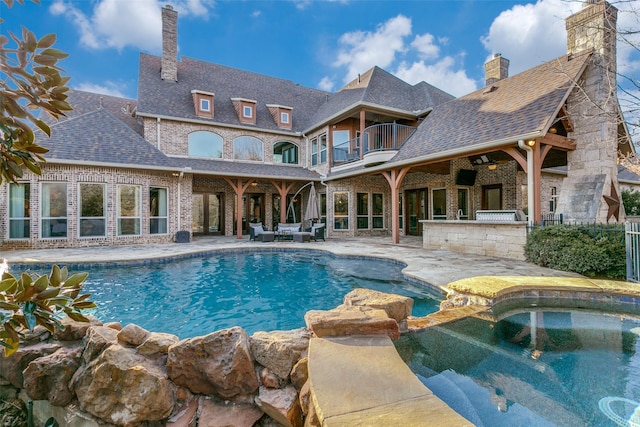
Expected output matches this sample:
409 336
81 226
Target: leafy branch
27 301
30 83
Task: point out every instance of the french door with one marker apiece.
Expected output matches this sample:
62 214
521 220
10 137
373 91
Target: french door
207 213
417 204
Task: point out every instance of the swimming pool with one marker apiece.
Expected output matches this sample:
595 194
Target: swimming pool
259 291
535 367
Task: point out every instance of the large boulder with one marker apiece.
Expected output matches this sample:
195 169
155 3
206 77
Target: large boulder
133 335
351 320
157 344
124 388
300 373
74 330
96 340
218 414
397 307
11 367
281 404
48 377
280 350
217 364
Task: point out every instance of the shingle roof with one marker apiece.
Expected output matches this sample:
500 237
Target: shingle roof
110 140
253 169
114 140
173 99
518 105
379 87
84 102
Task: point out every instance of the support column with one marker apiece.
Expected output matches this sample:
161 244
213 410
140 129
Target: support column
394 178
283 189
363 125
239 187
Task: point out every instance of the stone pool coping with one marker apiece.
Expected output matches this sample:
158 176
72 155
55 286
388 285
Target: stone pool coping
489 290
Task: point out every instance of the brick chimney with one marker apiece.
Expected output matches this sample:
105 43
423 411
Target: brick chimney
169 69
497 68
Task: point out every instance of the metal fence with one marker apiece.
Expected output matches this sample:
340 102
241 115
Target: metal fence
632 242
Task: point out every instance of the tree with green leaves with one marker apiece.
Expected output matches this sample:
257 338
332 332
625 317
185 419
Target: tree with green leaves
30 84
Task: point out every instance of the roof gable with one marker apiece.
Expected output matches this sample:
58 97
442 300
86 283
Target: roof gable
519 105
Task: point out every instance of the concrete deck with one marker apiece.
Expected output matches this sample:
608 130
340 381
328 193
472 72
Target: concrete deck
437 268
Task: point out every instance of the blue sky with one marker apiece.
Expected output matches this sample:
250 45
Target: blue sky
320 44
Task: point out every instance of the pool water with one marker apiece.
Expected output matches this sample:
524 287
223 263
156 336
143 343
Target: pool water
551 367
259 291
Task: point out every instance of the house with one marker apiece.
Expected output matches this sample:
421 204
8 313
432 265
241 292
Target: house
209 149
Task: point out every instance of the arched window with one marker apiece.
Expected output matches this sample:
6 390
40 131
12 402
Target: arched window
285 152
248 148
205 144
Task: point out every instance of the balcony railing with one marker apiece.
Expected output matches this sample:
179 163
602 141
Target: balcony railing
381 137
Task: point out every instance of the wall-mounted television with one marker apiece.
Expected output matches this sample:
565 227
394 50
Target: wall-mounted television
466 177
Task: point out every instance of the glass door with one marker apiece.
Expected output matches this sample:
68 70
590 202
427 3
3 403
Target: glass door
252 212
207 213
416 210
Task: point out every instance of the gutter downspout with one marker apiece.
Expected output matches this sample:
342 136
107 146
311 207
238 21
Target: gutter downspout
179 200
158 133
530 180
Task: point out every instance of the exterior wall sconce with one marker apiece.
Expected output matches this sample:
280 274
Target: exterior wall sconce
531 142
176 174
254 184
492 166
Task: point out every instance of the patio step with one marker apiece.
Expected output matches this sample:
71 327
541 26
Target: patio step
362 381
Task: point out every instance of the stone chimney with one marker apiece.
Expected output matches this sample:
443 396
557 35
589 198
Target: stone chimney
495 69
593 190
169 70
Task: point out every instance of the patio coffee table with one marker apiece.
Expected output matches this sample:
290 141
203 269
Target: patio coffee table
266 236
301 236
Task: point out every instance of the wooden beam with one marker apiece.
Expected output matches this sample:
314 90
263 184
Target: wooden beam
394 179
239 187
558 141
283 189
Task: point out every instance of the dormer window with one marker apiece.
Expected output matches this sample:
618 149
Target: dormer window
245 109
281 115
203 103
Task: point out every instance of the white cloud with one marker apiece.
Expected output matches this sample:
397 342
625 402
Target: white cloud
361 50
108 88
426 46
528 35
442 75
326 84
415 61
119 24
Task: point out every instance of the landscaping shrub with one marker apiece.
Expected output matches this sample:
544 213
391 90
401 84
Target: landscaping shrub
631 202
595 251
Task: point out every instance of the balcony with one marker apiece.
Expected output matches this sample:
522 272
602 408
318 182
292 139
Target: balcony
377 145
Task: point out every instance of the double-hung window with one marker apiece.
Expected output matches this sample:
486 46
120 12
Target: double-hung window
19 210
158 210
341 211
129 210
314 151
53 209
92 209
362 210
377 210
323 148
